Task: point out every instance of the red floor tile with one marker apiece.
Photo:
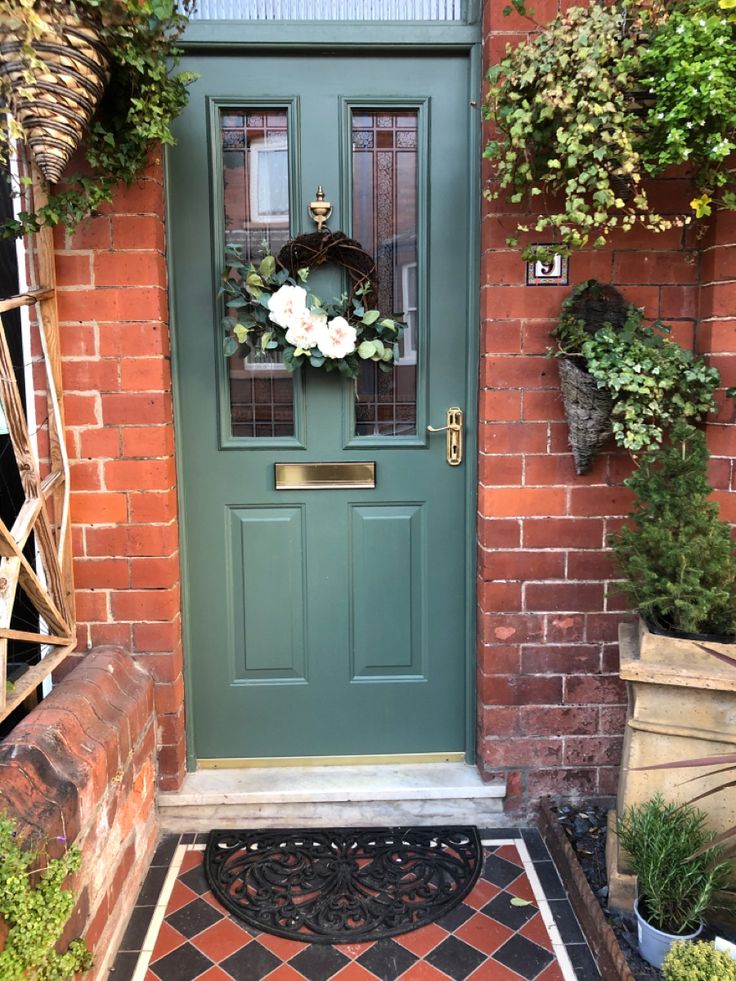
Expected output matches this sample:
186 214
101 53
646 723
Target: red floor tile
551 973
536 931
180 896
353 951
493 971
222 939
481 893
283 973
483 933
168 939
191 861
522 888
353 972
511 854
215 973
422 971
280 946
421 941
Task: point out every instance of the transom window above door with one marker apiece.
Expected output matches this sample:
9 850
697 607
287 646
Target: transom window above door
332 10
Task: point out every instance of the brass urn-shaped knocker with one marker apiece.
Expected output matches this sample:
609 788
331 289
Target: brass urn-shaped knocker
320 210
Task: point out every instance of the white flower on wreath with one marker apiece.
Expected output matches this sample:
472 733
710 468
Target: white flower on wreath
287 304
338 339
307 329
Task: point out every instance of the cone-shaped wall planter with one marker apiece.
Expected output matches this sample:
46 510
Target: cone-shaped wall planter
56 106
588 413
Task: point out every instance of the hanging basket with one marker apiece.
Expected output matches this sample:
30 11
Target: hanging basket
588 413
54 95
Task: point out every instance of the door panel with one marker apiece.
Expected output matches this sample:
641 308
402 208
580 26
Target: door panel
324 622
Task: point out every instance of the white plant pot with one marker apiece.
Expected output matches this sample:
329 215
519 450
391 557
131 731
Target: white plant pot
654 944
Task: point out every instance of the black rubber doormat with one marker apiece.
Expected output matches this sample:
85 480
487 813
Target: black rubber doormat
342 885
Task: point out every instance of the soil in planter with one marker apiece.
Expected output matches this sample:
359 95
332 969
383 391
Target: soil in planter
586 827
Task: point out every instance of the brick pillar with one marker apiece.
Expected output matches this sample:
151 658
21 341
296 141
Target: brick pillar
116 367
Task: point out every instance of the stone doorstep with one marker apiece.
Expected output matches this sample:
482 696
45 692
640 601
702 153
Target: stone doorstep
319 796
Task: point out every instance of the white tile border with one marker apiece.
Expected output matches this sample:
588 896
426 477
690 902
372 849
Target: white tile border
558 947
159 911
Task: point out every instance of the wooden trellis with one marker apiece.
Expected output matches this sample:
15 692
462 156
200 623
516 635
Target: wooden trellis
45 510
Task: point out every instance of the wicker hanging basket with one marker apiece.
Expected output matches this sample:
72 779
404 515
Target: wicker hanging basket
68 76
588 413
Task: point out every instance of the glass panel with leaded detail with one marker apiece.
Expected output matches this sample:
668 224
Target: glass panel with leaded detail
372 10
255 156
385 222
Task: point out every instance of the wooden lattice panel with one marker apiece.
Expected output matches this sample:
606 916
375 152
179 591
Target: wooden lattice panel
44 512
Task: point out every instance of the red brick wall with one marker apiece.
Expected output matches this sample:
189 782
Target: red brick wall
550 704
113 308
82 767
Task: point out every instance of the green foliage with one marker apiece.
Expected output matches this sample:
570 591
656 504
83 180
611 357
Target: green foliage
676 886
36 909
651 379
602 97
698 961
677 557
250 329
143 96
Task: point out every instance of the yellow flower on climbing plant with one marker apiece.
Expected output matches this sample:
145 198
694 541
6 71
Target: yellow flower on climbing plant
702 205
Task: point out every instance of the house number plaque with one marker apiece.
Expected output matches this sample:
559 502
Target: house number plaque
324 476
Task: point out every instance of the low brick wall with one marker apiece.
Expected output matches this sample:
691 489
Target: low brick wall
82 766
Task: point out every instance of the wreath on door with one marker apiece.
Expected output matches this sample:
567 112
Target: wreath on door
270 307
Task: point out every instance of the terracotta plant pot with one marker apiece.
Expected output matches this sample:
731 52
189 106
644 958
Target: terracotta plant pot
53 95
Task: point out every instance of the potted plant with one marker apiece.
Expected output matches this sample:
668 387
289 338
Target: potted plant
645 380
103 69
599 99
680 874
698 961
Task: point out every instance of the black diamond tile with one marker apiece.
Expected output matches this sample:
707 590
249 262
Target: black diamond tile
194 918
318 962
137 927
151 888
188 839
500 872
251 963
570 932
455 918
183 964
550 880
500 909
195 879
534 842
124 966
387 960
455 958
165 850
583 962
523 956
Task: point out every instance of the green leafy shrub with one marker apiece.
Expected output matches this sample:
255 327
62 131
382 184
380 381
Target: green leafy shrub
142 98
36 909
698 961
652 380
677 556
604 96
679 876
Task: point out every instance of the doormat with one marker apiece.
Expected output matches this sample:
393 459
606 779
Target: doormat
342 885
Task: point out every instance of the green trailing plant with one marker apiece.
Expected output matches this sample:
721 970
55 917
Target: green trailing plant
144 95
698 961
677 557
599 99
680 874
652 380
36 908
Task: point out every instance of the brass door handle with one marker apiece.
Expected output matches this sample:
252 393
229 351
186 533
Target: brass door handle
454 429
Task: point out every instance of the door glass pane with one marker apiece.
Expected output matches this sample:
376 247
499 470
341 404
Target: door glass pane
328 10
385 223
255 148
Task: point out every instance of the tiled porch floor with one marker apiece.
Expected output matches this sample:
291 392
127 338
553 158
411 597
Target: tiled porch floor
178 931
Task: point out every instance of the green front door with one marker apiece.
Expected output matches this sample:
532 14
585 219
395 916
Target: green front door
325 622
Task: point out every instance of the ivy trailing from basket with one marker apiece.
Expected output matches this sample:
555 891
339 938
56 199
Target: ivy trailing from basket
36 909
599 99
652 381
143 96
271 309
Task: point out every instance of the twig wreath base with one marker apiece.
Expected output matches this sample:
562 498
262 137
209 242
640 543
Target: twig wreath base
271 309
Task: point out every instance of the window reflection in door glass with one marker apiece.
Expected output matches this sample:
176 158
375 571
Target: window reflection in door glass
384 144
255 148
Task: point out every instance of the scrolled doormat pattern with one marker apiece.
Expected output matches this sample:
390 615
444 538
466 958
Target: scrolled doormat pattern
343 885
